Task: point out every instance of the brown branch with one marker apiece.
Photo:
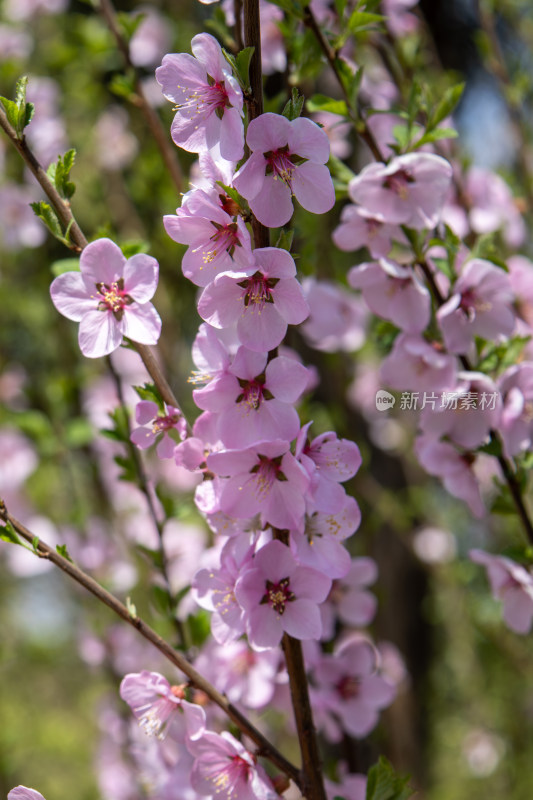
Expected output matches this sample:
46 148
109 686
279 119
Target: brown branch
79 242
313 784
161 138
359 122
61 207
146 488
43 550
254 100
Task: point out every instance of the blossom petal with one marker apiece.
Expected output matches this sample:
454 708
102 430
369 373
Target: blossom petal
142 323
99 334
70 296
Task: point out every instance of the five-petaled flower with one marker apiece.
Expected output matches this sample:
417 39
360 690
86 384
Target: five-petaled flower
109 298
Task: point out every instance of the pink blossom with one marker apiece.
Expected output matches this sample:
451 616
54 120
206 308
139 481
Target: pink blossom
254 401
19 227
349 691
399 20
279 596
262 305
492 206
359 228
338 131
513 585
23 793
225 770
393 292
208 99
264 479
218 239
150 39
481 305
417 365
337 318
466 412
410 190
157 704
288 158
352 787
349 599
109 298
453 468
328 461
242 674
116 144
516 426
320 545
149 412
214 589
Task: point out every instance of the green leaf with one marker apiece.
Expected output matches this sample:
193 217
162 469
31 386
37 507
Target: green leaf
285 239
123 86
445 107
294 106
59 174
385 784
46 213
362 20
62 550
151 393
436 135
65 265
242 63
130 22
19 113
320 102
233 193
133 247
8 534
402 134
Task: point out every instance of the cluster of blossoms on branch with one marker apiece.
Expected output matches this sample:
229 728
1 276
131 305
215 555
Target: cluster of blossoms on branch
271 492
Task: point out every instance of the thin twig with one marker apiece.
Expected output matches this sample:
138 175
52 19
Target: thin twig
61 207
43 550
146 489
168 152
360 123
79 242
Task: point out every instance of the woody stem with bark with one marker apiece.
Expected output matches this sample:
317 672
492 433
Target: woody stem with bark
311 773
154 123
357 116
129 615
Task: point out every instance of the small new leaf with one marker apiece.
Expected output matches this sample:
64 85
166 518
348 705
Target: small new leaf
46 213
59 173
62 550
8 534
319 102
384 784
18 111
293 108
242 64
149 392
446 106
